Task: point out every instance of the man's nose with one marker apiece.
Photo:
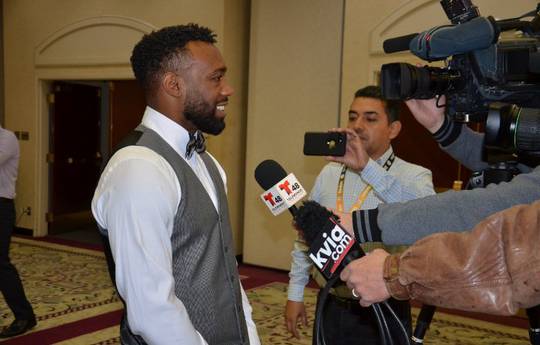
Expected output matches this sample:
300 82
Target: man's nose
227 90
359 124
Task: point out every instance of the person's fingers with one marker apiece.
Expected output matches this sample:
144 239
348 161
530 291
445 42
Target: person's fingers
337 159
291 327
364 303
288 325
344 275
304 319
295 331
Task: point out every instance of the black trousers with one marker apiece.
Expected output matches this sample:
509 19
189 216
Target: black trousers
10 283
348 323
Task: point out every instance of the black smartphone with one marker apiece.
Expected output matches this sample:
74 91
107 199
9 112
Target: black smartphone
324 143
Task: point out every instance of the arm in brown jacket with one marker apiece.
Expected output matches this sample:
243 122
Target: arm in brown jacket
495 268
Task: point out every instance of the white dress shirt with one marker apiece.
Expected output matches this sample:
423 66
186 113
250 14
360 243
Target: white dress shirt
136 200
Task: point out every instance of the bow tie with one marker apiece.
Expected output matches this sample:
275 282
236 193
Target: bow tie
195 143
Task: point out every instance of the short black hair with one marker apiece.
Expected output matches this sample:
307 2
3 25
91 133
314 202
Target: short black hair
391 106
164 50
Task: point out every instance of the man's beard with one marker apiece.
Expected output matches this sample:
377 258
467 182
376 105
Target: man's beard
203 116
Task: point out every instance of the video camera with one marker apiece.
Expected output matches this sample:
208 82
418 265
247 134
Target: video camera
487 77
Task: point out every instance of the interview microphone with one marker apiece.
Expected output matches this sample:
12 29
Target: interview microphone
398 44
282 191
443 41
331 248
440 42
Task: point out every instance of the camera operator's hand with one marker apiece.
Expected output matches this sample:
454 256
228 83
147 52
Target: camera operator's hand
365 277
355 157
426 112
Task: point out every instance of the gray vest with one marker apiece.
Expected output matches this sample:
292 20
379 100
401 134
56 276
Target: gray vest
203 262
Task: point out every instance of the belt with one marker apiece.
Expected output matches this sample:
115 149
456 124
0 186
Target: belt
2 199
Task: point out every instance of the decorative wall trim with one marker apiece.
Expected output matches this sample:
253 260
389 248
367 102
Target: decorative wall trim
378 34
82 43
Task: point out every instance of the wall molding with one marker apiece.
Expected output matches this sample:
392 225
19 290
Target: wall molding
380 32
92 42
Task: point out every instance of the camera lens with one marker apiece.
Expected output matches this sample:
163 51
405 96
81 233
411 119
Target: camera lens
405 81
528 130
513 128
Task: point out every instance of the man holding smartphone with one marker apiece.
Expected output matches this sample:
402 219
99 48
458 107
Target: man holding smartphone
377 177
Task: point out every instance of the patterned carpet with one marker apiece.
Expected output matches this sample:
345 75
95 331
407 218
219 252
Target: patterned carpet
268 302
75 304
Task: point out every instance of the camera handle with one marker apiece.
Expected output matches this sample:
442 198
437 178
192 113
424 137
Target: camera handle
497 173
534 324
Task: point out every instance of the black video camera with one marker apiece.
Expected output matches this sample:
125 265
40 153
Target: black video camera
487 77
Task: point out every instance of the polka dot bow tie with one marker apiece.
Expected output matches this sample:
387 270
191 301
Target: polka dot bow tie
195 143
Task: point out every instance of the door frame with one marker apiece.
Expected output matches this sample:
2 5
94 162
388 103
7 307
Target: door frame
43 83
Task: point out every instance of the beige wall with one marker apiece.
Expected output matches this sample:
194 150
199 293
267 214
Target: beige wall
294 79
229 147
64 39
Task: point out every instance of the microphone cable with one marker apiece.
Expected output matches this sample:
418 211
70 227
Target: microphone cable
398 321
386 337
382 322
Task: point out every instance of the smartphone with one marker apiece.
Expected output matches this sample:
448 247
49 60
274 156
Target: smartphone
324 143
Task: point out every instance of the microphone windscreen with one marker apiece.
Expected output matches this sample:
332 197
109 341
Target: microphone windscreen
268 173
312 218
441 42
398 44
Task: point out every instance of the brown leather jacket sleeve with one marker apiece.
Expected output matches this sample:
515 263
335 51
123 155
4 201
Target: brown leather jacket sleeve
495 268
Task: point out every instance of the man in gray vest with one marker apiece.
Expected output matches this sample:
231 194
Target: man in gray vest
161 202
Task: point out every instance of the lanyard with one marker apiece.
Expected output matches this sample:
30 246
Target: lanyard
362 197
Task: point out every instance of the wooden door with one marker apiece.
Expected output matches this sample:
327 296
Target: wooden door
74 156
127 106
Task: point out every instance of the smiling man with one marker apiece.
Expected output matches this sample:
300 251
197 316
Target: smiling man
377 176
161 202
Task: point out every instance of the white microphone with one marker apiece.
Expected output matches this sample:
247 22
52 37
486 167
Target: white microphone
282 191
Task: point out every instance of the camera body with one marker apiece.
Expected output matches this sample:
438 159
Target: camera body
504 72
482 69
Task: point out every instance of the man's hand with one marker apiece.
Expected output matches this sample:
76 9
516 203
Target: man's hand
355 157
365 276
295 312
426 112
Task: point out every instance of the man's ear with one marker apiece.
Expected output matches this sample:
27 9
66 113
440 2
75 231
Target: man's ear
173 84
395 128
